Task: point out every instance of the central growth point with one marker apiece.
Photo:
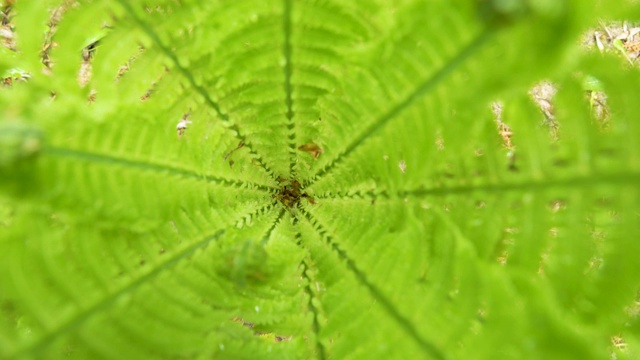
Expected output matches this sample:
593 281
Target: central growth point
289 193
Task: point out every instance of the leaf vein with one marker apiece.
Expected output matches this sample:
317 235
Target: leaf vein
199 89
572 182
315 326
41 344
426 345
149 166
38 346
424 88
287 51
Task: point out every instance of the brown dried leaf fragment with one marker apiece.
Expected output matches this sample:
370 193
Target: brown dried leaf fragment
312 148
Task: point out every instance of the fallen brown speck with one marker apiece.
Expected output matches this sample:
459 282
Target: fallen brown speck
312 149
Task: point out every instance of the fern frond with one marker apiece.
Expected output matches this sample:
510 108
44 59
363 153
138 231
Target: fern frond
316 179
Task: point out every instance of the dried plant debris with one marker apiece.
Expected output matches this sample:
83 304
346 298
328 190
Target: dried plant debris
6 7
503 129
49 43
88 52
13 76
149 91
403 166
599 107
183 124
594 92
154 84
312 149
124 68
542 94
263 334
7 36
505 134
618 343
618 37
92 96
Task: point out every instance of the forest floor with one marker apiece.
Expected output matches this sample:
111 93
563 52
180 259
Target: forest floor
617 37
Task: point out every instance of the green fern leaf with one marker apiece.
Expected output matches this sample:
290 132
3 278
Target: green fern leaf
316 179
